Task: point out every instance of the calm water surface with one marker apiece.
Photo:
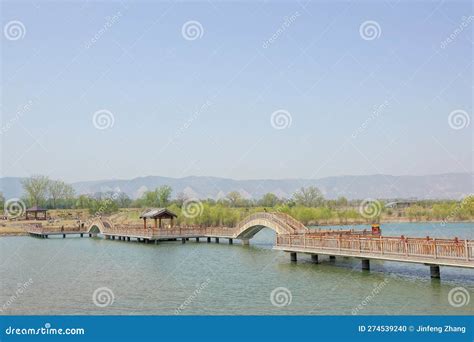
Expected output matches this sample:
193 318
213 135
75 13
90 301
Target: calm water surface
202 278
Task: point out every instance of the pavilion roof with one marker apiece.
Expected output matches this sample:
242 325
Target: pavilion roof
36 208
158 213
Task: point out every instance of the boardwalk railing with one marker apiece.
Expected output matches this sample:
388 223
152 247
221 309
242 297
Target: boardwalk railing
452 249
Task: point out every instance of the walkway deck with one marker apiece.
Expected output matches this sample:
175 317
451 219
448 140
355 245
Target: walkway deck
294 237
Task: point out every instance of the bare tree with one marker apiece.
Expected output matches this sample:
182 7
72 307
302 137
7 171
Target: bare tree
37 188
309 197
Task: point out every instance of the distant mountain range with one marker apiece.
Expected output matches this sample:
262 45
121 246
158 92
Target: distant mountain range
443 186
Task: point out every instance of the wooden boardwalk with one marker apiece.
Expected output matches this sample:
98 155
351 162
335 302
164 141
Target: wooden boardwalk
293 237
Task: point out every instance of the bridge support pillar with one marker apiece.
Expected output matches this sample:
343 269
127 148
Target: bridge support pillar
217 240
90 235
128 238
332 257
314 258
434 272
293 256
64 236
231 242
183 240
245 242
82 234
366 264
113 237
197 239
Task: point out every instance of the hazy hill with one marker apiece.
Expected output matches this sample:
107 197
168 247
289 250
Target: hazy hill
443 186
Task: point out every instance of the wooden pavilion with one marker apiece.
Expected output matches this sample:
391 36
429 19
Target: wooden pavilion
158 215
32 213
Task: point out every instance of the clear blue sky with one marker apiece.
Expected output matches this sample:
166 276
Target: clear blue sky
318 67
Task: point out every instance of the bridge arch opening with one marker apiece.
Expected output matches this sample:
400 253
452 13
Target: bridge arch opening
95 230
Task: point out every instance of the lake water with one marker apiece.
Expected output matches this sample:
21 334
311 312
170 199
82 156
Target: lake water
60 276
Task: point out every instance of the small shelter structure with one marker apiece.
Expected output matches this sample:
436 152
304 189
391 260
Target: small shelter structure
158 215
32 213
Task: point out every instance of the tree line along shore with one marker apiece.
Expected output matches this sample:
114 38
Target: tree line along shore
307 205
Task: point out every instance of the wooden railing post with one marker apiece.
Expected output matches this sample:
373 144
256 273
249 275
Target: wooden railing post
435 249
466 249
381 245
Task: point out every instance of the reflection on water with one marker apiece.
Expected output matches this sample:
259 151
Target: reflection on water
202 278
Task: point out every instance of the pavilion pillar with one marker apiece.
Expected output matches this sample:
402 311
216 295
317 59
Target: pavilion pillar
171 223
160 222
156 225
144 222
